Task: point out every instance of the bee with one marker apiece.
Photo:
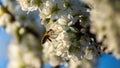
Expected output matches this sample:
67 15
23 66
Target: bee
47 36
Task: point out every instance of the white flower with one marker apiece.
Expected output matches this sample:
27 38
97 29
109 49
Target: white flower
45 12
74 62
63 20
89 54
29 5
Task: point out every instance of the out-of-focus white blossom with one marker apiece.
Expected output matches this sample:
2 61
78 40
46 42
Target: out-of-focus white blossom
22 58
24 50
31 59
30 5
22 30
54 60
5 19
105 24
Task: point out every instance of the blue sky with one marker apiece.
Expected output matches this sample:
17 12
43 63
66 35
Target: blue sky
4 41
108 61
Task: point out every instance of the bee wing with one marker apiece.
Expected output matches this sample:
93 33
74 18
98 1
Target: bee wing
53 36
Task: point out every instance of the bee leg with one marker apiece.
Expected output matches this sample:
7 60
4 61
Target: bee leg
44 40
49 39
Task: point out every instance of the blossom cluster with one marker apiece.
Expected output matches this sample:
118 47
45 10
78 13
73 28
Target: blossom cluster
69 21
